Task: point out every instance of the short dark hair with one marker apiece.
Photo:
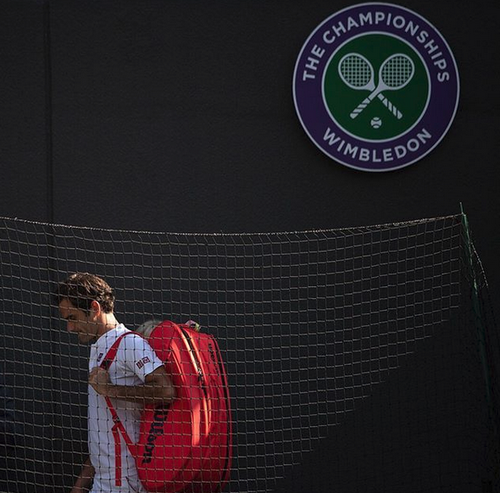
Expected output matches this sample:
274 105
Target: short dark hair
81 288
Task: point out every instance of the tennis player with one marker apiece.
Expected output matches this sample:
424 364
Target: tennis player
135 377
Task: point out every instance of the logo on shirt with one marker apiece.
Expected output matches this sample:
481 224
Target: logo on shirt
142 362
376 87
100 357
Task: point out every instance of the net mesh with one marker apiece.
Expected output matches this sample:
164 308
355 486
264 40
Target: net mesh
359 359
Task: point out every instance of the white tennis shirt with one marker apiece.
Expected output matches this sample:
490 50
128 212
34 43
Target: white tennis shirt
135 359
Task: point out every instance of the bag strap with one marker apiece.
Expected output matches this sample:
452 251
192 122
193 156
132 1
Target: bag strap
111 354
118 425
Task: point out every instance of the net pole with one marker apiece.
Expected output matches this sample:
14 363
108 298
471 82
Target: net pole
476 306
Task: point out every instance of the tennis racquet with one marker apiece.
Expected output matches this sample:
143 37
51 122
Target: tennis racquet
394 74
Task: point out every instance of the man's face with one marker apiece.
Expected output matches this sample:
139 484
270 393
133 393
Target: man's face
78 321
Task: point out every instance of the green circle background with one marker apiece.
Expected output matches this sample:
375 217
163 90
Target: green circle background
342 100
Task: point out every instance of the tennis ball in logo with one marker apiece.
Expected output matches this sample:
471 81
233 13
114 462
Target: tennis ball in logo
376 122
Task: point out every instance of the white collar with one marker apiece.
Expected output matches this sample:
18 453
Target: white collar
108 338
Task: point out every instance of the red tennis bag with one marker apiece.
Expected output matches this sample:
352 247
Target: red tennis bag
186 446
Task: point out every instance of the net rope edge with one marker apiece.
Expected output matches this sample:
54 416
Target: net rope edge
414 222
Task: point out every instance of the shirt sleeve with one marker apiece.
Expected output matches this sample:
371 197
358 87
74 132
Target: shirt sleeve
140 357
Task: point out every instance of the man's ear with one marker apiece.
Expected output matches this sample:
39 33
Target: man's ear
95 307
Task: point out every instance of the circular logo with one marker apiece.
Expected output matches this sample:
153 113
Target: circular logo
376 87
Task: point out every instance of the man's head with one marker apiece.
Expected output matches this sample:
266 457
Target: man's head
147 327
86 302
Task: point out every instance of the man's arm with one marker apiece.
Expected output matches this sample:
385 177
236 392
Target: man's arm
158 387
84 481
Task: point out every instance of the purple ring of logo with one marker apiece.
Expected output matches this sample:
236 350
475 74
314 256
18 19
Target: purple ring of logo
434 50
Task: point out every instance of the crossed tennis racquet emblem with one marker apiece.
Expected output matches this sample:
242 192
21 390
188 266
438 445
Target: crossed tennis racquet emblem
357 73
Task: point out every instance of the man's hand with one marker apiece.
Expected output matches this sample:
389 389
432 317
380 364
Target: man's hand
84 481
99 379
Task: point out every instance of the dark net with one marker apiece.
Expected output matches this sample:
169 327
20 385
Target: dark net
359 360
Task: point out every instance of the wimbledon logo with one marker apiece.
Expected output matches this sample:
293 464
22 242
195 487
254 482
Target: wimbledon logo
376 87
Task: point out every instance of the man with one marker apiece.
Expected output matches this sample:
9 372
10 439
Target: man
135 377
